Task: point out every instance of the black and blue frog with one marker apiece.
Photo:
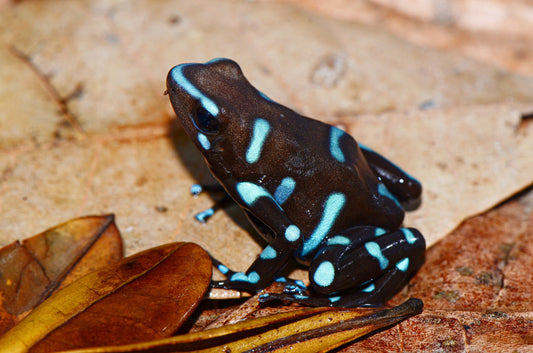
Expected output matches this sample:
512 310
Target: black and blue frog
307 187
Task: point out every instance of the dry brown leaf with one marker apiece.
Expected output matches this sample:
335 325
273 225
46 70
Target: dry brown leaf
33 269
143 297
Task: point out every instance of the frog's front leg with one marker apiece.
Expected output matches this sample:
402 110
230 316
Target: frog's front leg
224 202
285 240
363 266
406 189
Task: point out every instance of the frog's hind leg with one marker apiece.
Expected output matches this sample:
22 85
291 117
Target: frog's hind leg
373 294
363 266
224 202
406 189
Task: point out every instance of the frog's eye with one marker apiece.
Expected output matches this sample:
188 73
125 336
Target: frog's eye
205 121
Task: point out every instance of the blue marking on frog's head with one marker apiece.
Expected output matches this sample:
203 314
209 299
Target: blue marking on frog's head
183 82
375 251
204 141
259 135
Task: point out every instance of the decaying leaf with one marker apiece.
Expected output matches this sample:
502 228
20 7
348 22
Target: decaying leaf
306 330
143 297
34 268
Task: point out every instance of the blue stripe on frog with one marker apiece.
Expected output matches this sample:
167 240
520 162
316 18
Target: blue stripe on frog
334 144
252 277
204 141
208 104
375 251
409 236
333 205
284 190
268 253
403 264
379 232
370 288
259 135
250 192
339 240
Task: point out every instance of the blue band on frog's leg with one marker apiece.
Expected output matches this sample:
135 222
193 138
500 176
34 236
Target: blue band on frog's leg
332 206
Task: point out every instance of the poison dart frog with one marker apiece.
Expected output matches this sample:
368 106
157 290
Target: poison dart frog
308 188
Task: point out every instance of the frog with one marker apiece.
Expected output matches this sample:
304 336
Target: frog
308 188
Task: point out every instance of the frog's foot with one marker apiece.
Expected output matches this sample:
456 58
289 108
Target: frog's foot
239 281
292 286
203 216
297 298
236 280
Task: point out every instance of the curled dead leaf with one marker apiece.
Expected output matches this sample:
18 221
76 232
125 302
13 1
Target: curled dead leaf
143 297
33 269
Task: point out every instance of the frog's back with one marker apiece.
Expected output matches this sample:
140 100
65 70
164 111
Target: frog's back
333 186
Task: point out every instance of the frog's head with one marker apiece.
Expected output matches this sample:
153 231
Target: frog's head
216 105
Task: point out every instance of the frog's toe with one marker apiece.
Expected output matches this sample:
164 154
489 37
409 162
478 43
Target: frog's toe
292 286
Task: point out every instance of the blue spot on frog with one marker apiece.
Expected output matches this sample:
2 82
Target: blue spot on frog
307 187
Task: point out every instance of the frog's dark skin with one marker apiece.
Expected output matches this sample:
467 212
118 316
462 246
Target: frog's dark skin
307 187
